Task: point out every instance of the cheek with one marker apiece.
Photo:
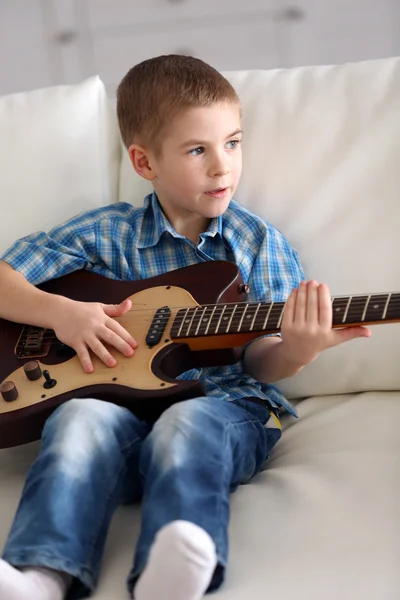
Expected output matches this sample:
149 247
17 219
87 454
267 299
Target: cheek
188 176
237 167
182 181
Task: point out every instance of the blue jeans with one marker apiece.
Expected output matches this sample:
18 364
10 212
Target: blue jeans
96 455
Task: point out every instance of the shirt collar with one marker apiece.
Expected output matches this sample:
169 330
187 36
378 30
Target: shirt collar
155 223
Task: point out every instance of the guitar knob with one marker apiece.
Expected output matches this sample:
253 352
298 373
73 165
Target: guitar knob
50 382
9 391
32 370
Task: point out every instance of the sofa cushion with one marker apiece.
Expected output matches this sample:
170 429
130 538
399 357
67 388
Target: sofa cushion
319 523
321 162
59 151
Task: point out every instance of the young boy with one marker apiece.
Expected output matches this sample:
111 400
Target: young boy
181 122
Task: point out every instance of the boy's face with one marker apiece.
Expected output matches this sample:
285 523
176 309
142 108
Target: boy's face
200 165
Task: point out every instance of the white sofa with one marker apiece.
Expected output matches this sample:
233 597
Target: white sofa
321 162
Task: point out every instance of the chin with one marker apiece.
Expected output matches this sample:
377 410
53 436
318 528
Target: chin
212 214
217 209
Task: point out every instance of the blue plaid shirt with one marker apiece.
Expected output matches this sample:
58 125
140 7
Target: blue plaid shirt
127 243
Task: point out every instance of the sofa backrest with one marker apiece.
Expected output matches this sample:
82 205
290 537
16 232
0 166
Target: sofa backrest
321 162
321 153
59 155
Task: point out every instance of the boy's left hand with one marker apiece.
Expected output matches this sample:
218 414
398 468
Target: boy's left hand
307 324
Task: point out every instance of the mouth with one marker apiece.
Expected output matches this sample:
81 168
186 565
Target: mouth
218 193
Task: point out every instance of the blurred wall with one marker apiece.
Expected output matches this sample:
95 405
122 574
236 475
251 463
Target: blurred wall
48 42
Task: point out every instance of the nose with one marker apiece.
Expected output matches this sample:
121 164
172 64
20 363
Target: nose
219 165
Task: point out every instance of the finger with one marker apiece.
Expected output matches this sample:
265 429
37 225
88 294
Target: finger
116 310
84 357
123 333
101 351
351 333
113 339
312 303
288 315
325 306
301 303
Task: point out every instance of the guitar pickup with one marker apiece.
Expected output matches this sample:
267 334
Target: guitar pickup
33 342
158 326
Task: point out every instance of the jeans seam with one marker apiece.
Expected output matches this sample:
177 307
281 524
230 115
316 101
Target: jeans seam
94 543
253 421
221 495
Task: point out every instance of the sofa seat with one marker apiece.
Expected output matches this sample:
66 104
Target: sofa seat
320 523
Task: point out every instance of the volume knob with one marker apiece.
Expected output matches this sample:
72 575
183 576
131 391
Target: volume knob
9 391
32 370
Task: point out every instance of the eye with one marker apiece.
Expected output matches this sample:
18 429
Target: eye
232 144
196 151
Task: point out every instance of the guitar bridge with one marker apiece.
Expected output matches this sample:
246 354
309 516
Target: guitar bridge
34 342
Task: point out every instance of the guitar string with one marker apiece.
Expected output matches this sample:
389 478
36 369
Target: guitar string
276 309
275 312
355 303
55 342
356 298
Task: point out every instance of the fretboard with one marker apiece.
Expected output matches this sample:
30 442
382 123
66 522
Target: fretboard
223 319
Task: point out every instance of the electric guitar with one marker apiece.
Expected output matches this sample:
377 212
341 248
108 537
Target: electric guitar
191 317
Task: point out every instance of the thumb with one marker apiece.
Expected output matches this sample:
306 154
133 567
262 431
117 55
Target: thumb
116 310
351 333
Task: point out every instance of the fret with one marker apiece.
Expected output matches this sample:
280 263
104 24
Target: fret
230 320
183 317
347 310
280 318
226 319
214 320
191 321
393 310
356 309
261 311
196 321
376 307
255 316
275 316
241 320
200 320
365 308
209 320
386 306
267 317
338 309
220 318
248 319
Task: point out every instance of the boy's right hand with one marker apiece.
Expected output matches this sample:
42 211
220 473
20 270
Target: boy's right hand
88 326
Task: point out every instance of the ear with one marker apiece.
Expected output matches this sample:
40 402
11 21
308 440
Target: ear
140 160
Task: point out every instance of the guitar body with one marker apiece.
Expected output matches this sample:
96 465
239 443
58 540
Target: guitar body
144 383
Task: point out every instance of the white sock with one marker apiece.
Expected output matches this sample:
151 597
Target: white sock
33 583
181 563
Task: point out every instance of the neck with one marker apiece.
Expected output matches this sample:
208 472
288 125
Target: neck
185 222
255 319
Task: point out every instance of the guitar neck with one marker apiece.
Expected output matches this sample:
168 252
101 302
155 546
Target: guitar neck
214 325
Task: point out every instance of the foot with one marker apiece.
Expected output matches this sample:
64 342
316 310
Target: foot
181 564
33 583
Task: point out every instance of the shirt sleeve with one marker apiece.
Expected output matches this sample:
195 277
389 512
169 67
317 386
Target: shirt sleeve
66 248
276 272
277 269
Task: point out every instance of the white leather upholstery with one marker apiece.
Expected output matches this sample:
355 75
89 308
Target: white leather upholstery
321 156
59 155
321 159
